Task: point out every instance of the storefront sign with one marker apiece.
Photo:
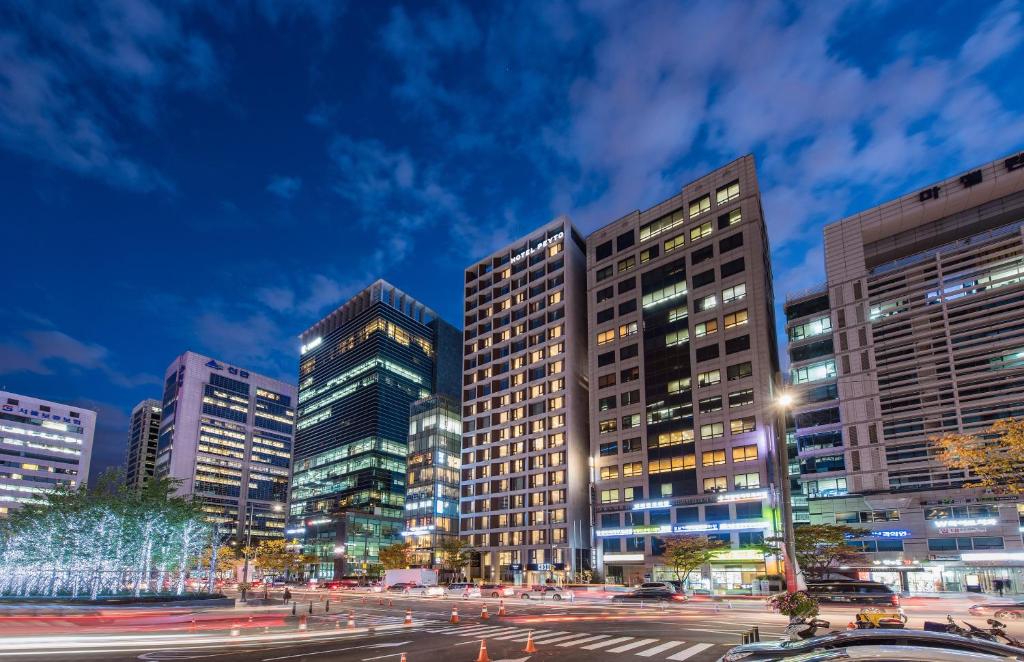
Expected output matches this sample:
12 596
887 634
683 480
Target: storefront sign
540 245
759 495
738 555
719 526
968 523
895 533
418 530
648 505
992 556
623 558
633 531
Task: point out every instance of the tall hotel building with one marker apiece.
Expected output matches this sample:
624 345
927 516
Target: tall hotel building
43 445
143 435
525 497
682 365
917 332
360 370
226 434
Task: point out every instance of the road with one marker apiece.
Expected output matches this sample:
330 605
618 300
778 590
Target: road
697 631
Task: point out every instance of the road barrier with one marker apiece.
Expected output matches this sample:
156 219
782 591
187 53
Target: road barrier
327 606
294 603
751 635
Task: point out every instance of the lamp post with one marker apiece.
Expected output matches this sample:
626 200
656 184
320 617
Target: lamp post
783 403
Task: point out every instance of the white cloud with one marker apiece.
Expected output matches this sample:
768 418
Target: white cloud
41 351
283 187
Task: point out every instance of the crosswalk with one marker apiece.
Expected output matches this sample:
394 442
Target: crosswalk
588 641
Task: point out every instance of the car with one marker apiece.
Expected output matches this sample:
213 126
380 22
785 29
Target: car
896 654
545 593
1003 610
335 584
668 586
853 592
496 590
463 589
652 594
851 639
401 587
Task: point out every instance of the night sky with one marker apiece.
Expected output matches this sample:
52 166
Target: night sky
216 176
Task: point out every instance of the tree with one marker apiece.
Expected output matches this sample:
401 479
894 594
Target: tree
684 554
992 459
821 548
396 556
226 559
453 555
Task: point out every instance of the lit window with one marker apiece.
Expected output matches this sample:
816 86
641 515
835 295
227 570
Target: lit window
701 231
677 337
705 328
608 425
741 425
632 469
734 217
814 372
734 293
735 319
664 294
667 464
678 385
717 484
627 329
631 421
744 453
663 224
609 496
605 337
711 458
677 313
709 378
712 430
730 191
609 473
747 481
674 438
700 205
626 264
649 254
811 328
673 243
705 303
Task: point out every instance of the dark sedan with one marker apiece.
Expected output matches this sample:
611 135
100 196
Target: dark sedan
650 595
777 650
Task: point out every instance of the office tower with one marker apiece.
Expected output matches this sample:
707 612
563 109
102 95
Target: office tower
917 332
525 445
43 445
683 362
361 367
432 488
223 428
143 434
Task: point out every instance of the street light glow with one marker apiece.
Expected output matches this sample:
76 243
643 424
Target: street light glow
785 400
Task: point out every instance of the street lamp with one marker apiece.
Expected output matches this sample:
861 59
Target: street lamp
783 402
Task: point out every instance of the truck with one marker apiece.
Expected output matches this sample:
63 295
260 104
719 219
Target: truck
422 576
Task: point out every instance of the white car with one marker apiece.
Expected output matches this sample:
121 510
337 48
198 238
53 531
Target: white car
896 653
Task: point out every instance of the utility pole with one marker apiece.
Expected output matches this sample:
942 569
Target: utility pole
793 582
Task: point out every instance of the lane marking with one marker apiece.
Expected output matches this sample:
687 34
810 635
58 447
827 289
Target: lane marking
602 644
657 649
631 645
574 642
687 653
551 640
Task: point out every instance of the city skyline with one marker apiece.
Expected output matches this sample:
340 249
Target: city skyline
170 242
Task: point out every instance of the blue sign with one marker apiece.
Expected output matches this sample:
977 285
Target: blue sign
244 374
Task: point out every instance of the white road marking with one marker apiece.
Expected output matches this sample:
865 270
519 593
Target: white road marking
602 644
687 653
657 649
551 640
538 635
631 645
574 642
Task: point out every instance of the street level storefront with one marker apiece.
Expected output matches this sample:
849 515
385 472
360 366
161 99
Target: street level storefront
992 573
732 572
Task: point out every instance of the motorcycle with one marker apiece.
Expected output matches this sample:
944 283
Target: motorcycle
995 633
802 628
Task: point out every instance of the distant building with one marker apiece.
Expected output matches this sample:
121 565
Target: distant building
917 332
361 367
43 444
143 434
525 474
432 488
226 434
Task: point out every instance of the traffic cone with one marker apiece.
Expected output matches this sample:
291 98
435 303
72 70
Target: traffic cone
484 616
408 617
455 616
380 602
530 647
351 619
501 608
851 626
482 657
250 619
402 659
302 622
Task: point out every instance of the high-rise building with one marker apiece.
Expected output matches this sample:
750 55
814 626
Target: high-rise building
143 434
917 332
683 367
525 496
361 367
226 434
43 445
432 488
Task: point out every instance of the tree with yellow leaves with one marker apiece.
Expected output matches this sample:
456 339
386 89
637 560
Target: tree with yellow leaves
993 459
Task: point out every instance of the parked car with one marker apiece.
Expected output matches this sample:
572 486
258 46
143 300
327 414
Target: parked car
545 593
402 587
496 590
652 594
896 654
668 586
335 584
1003 610
849 640
853 592
463 589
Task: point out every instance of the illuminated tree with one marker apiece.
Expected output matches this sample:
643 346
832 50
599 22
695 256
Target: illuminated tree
454 554
992 459
684 554
227 557
396 556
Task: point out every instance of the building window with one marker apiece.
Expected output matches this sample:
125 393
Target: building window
603 250
700 205
631 445
712 431
701 231
676 438
677 337
605 381
674 243
605 294
739 371
608 425
668 464
745 453
632 469
678 385
705 303
749 481
627 329
811 328
606 315
705 328
609 496
733 267
735 319
741 398
731 242
712 458
609 473
606 403
664 294
648 254
708 405
731 218
730 191
741 425
738 344
627 264
663 224
734 293
604 273
605 337
607 358
629 374
716 484
624 241
709 378
814 372
609 448
631 421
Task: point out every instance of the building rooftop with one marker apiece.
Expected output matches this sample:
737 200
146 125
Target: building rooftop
380 291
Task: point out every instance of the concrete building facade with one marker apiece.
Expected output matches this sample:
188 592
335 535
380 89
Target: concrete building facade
43 445
143 435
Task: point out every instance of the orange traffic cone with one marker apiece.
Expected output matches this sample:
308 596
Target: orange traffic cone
501 607
455 616
530 647
402 658
390 604
351 619
408 617
484 616
380 602
482 657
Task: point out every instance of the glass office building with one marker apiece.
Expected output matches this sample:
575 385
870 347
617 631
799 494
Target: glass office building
360 370
140 453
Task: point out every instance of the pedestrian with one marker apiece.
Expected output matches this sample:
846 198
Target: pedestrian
287 594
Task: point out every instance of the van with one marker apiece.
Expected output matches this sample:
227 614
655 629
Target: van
852 592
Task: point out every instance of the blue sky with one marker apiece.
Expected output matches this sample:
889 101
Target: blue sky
216 176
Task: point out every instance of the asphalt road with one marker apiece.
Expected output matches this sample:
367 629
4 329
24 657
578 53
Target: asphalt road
699 632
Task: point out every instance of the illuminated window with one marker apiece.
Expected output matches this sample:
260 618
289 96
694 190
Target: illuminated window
711 458
608 425
632 469
811 328
605 337
705 303
674 438
709 378
717 484
678 385
627 329
667 464
677 337
701 231
609 473
649 254
734 293
744 453
735 319
741 398
700 205
712 430
609 496
732 218
705 328
730 191
664 294
631 421
677 313
627 264
814 372
749 481
663 224
674 243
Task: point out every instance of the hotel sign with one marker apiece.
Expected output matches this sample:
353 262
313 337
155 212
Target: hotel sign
539 246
